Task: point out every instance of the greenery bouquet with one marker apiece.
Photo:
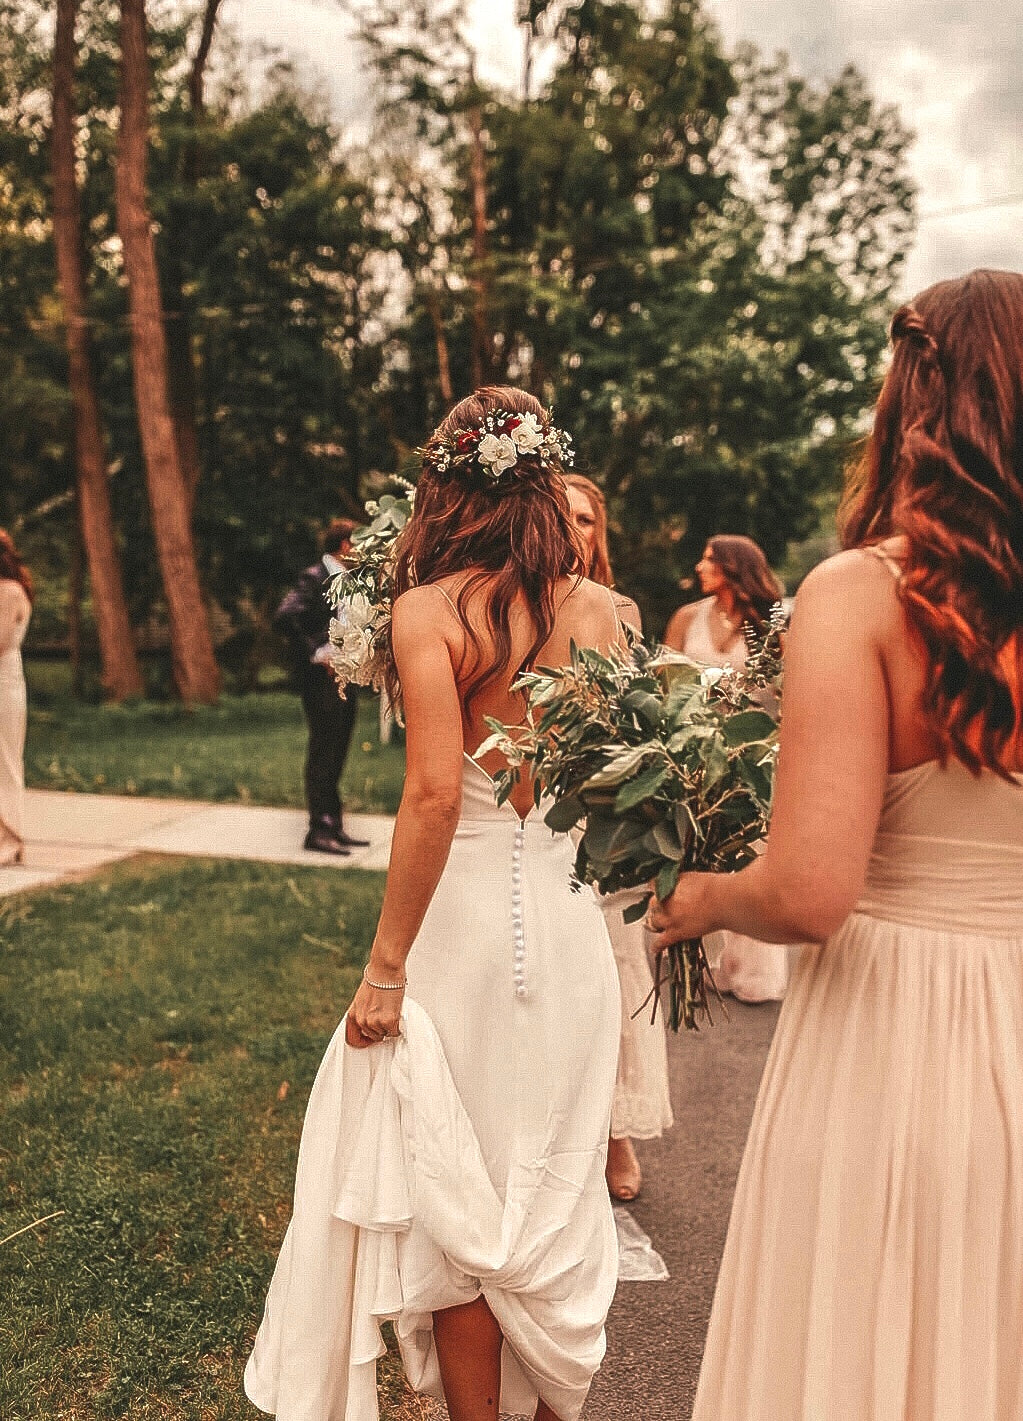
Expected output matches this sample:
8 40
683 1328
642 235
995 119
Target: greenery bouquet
362 595
663 765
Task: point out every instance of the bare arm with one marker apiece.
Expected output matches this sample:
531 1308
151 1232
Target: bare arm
678 626
831 772
430 803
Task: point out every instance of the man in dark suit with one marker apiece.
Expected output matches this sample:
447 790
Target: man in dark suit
303 619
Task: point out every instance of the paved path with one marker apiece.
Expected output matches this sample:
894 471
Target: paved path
656 1330
71 834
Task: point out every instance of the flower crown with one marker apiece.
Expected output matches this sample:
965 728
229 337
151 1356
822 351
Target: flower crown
504 443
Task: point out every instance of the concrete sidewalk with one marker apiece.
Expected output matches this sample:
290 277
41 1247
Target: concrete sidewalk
68 835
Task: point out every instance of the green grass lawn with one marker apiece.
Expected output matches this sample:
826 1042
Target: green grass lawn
160 1025
248 749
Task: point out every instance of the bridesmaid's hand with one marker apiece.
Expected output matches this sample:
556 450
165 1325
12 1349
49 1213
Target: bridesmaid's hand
373 1016
684 914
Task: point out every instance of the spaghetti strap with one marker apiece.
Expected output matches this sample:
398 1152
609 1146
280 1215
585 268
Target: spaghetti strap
890 563
447 599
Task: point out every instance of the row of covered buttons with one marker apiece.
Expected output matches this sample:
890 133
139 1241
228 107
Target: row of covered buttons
519 972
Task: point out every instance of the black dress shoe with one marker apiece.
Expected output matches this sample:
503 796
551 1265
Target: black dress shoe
348 841
322 841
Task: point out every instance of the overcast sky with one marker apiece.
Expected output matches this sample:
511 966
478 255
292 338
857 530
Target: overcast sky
954 70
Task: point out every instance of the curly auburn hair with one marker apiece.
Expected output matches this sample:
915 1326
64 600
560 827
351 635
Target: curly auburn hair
12 564
943 467
515 537
599 569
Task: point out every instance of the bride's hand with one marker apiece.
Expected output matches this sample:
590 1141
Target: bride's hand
684 914
373 1016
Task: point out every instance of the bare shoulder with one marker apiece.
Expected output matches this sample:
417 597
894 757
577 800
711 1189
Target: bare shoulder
421 610
13 596
681 620
854 586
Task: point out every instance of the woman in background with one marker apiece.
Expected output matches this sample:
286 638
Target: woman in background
739 589
15 610
641 1109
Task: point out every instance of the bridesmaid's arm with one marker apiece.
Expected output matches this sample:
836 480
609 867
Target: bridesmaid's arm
430 803
831 773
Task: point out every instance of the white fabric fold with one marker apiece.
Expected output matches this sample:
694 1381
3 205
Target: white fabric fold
396 1216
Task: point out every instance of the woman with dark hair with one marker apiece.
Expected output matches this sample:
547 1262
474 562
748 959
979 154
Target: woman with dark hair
451 1171
740 590
641 1108
15 611
874 1263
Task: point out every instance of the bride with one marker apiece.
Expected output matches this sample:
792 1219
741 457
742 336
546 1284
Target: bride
451 1170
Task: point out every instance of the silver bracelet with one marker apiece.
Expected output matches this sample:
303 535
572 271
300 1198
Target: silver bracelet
384 986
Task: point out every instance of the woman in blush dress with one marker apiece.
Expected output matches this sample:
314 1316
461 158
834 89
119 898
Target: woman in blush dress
874 1262
451 1171
15 611
641 1109
739 589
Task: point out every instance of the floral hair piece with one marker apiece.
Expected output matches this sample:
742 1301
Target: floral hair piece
502 444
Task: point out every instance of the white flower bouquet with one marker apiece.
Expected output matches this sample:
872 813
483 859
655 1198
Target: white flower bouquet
362 595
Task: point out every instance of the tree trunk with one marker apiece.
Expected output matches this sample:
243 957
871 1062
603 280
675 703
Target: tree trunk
440 338
183 382
196 672
121 674
75 580
481 346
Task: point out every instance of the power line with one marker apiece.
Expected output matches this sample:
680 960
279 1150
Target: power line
968 207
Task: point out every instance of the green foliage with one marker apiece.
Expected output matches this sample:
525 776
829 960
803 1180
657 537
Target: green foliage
159 1030
661 766
691 254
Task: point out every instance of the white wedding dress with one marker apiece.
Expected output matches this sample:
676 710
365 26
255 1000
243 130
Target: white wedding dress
466 1157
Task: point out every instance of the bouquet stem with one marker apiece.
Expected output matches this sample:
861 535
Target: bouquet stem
688 976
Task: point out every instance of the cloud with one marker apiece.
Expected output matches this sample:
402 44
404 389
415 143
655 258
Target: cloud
953 71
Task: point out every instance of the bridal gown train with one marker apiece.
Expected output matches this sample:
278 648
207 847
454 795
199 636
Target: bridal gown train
874 1263
467 1156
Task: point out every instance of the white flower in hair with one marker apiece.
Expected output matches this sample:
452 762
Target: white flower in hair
527 434
498 453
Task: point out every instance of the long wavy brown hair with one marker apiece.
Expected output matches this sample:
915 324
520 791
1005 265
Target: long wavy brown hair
599 569
745 568
514 537
12 564
943 467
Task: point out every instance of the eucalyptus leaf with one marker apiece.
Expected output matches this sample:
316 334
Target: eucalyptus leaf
618 768
642 788
565 814
667 880
748 727
637 911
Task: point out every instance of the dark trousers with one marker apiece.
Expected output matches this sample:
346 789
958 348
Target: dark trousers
331 719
